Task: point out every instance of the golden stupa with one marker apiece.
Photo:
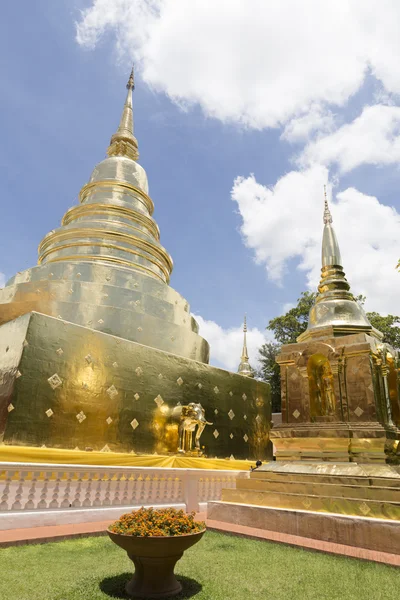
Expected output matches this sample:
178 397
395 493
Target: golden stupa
98 352
339 382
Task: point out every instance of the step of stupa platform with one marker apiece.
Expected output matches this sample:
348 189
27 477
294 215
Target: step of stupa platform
381 509
349 489
283 524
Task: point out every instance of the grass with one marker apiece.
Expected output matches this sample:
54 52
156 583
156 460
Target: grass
220 567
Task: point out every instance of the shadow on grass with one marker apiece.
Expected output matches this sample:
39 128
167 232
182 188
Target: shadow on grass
115 586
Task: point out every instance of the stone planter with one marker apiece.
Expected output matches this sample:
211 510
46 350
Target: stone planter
154 559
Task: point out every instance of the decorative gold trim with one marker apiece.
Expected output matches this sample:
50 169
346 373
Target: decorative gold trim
117 184
99 209
60 236
105 258
103 245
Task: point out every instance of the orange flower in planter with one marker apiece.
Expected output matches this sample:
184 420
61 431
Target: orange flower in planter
155 540
148 522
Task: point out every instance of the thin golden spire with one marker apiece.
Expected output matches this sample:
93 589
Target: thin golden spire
123 142
244 366
131 81
244 351
327 212
335 305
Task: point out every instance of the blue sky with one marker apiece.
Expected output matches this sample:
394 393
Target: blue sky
61 101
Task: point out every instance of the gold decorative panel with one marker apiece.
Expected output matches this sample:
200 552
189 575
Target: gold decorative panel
108 403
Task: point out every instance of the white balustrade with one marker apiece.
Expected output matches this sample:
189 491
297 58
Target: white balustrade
43 494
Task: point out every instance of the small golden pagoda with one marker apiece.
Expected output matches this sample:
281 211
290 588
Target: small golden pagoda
340 395
244 365
99 353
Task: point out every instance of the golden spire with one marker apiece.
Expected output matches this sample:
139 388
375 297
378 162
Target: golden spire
335 305
123 142
244 366
330 247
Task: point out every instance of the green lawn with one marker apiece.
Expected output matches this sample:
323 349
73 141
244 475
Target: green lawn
220 567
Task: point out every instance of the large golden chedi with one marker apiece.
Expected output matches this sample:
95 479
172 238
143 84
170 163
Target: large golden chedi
97 351
339 382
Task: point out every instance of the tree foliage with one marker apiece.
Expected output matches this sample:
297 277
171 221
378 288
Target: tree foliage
270 372
386 325
288 327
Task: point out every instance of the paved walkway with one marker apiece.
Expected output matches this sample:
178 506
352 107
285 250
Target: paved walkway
38 535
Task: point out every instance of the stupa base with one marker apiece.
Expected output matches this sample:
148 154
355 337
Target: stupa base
59 456
68 387
368 442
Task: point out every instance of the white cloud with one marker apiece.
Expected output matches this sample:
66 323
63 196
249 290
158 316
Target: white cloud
2 280
372 138
226 344
302 127
258 63
285 222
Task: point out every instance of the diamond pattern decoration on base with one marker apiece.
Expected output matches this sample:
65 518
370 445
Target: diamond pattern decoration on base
294 376
109 420
246 437
358 411
81 416
216 411
60 351
159 401
216 390
306 503
115 365
231 394
10 407
231 436
231 414
244 397
55 381
139 371
18 374
89 359
134 424
199 386
49 412
365 509
160 376
100 321
179 381
258 419
245 417
136 396
112 391
296 414
215 433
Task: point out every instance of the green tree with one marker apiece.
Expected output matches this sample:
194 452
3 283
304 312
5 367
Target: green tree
270 372
387 325
288 327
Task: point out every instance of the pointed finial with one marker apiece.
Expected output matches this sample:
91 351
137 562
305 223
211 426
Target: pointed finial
123 142
131 81
327 212
244 366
